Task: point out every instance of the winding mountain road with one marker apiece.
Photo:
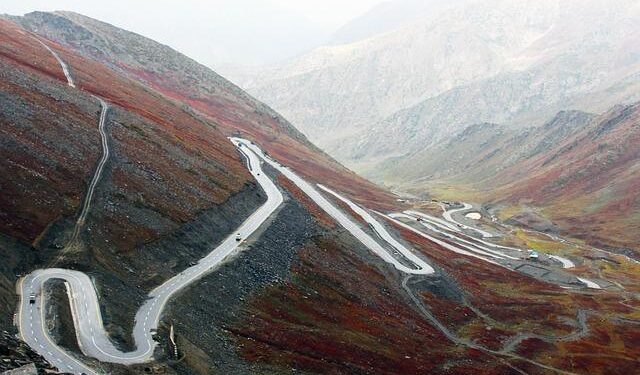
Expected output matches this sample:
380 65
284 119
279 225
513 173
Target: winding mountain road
91 335
422 267
433 220
483 252
456 249
65 68
468 248
94 180
103 160
448 215
92 338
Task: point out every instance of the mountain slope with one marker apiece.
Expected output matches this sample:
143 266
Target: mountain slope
387 16
509 62
146 224
481 151
579 170
303 294
589 182
182 79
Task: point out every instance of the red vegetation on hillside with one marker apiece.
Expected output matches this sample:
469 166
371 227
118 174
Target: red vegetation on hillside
40 181
186 156
237 115
366 330
589 182
342 310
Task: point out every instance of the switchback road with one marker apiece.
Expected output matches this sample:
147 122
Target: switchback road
92 338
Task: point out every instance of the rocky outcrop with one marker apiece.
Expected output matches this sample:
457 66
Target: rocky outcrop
16 358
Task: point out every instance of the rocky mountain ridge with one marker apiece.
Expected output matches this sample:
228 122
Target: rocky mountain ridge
302 294
579 169
510 62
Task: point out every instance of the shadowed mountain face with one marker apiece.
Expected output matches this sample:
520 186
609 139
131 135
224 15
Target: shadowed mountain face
304 295
588 183
481 151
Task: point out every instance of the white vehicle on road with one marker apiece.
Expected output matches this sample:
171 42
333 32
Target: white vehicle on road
91 335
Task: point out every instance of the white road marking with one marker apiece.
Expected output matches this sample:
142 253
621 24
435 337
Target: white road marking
92 337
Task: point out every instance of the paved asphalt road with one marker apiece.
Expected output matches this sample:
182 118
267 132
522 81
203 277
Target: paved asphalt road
468 248
466 206
92 337
93 340
353 228
434 220
457 248
422 267
461 242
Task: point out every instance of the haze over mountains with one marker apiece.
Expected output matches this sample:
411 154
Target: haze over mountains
157 219
510 62
463 94
388 16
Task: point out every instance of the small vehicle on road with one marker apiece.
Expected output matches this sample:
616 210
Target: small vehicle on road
238 238
32 298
